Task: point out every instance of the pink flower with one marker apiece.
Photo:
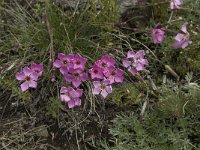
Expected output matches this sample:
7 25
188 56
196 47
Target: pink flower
29 77
135 61
71 96
104 88
63 62
105 62
79 62
96 72
115 75
38 68
157 35
176 4
76 76
182 39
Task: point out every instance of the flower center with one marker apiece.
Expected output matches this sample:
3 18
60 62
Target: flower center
113 73
156 32
185 36
64 62
76 74
67 93
37 71
103 87
104 65
95 71
27 78
78 62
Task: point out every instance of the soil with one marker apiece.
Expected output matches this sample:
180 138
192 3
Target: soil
20 126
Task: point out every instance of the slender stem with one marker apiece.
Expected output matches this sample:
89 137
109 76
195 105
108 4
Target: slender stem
49 29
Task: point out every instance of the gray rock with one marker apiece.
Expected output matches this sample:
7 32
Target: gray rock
127 9
73 4
126 4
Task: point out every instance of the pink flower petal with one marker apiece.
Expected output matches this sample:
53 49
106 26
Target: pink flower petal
34 76
184 27
63 90
185 44
27 71
24 86
133 70
77 101
104 93
179 37
32 84
65 98
111 79
96 91
71 104
119 79
80 92
97 84
126 63
109 89
38 68
144 61
119 72
84 76
64 70
76 83
57 64
73 93
139 67
61 56
140 54
20 76
106 82
130 54
68 77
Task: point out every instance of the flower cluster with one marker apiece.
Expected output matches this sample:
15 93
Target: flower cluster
104 73
181 39
29 75
135 61
72 67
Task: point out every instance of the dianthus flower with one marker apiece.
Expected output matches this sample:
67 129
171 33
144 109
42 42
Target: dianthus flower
182 39
96 72
175 4
29 77
105 63
63 62
104 88
135 61
79 62
76 76
114 75
157 35
71 96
